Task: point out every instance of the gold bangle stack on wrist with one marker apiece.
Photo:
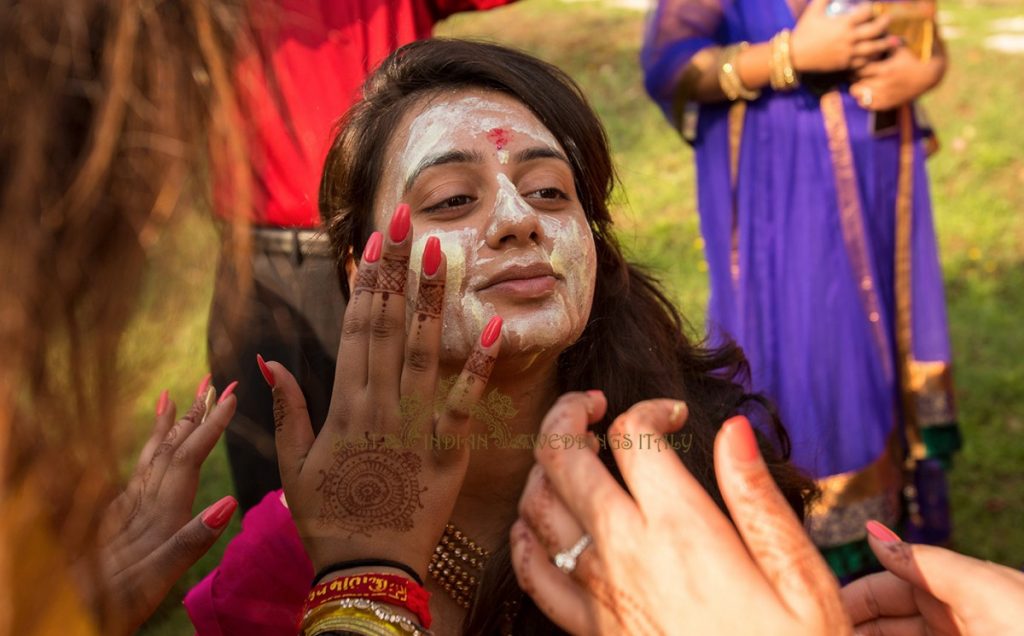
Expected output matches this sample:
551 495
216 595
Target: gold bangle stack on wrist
729 77
783 74
359 616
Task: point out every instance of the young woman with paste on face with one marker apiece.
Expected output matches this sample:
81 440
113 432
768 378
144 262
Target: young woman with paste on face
484 170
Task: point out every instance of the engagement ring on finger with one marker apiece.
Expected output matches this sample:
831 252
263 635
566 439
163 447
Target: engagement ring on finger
566 559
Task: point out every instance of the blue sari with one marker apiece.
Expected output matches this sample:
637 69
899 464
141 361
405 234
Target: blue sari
823 264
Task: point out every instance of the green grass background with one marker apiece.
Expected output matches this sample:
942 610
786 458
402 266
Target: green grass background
977 183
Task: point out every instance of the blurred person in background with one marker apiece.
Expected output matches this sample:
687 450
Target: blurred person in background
104 117
817 226
276 294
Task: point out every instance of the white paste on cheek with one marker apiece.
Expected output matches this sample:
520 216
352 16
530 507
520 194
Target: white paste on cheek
464 314
562 318
573 256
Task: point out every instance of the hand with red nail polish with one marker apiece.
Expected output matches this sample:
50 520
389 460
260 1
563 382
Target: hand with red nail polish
149 537
663 558
383 414
931 590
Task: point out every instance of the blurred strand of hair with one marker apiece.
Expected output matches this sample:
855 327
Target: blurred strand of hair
110 115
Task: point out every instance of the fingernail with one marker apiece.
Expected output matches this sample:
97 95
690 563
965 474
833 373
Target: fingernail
268 375
895 40
679 412
227 392
432 256
491 332
399 228
372 252
880 532
743 443
161 404
218 515
203 386
595 393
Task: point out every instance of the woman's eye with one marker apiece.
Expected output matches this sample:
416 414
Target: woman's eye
547 193
450 202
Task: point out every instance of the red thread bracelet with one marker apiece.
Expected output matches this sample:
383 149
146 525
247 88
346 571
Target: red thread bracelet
386 588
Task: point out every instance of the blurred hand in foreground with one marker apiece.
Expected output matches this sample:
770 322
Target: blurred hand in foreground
663 557
149 537
931 590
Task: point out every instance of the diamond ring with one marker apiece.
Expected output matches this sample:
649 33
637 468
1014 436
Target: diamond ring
566 559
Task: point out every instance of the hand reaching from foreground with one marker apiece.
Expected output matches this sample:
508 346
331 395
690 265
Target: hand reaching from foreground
149 537
931 590
663 557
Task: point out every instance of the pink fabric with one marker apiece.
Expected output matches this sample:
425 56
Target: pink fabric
260 585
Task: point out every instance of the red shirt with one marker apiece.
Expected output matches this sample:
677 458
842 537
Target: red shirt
319 52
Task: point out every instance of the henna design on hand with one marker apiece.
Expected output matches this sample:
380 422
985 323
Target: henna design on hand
430 299
366 280
168 442
370 487
392 275
480 364
279 411
627 611
195 414
196 411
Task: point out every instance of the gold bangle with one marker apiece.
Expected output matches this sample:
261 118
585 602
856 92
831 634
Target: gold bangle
783 75
729 78
355 621
377 615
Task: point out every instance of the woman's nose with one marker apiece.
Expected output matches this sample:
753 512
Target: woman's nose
514 220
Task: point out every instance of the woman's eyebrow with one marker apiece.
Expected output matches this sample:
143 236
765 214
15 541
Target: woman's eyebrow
540 152
452 156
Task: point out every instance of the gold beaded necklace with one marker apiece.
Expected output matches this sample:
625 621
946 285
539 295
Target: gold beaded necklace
457 564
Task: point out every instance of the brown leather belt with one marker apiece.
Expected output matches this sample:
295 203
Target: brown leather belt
291 242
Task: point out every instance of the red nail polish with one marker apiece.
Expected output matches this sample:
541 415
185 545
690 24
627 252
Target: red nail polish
371 254
491 332
744 443
205 384
399 228
880 532
228 391
268 375
218 515
432 256
161 404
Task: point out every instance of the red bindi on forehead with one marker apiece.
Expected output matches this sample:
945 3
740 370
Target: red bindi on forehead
500 137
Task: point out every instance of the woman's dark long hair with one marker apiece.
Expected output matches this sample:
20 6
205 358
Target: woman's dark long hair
634 346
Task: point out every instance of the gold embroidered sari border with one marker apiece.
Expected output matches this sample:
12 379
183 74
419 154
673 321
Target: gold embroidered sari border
852 221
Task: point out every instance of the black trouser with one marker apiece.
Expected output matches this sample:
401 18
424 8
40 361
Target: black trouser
291 313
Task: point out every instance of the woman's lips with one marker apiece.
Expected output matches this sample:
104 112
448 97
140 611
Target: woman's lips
533 280
533 287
